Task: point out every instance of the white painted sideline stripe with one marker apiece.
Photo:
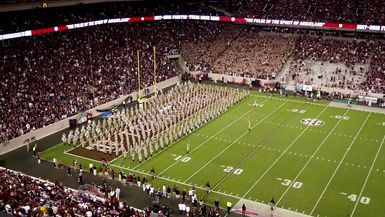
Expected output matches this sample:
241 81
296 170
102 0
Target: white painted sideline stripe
339 165
283 153
208 139
240 137
311 157
367 177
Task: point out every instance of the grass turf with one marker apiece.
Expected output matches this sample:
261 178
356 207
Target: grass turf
336 169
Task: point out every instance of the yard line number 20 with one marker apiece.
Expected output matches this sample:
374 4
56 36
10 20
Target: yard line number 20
237 171
183 159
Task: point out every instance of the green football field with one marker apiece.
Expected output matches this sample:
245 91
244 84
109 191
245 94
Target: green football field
313 159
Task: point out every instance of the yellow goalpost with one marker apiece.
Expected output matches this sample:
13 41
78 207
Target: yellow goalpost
140 99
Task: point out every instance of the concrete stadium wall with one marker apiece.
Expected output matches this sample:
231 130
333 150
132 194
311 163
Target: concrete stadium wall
230 79
63 124
243 80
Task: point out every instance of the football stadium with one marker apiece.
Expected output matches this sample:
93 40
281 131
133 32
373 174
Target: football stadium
192 108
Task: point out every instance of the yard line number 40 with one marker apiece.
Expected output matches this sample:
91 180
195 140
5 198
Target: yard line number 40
355 197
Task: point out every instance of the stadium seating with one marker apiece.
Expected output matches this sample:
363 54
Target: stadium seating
329 62
22 195
51 77
375 79
254 54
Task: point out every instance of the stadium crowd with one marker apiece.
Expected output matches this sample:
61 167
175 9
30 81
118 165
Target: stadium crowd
255 54
234 50
332 50
50 77
22 195
206 43
68 72
62 74
375 78
341 62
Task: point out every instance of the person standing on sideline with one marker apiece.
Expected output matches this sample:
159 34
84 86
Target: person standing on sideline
80 178
208 188
112 174
228 204
216 203
243 210
117 193
91 167
69 171
153 174
164 190
34 150
28 146
38 157
272 204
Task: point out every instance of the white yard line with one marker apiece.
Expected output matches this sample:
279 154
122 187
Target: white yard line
71 148
282 154
68 152
312 156
55 146
85 158
208 139
240 137
111 161
339 165
367 177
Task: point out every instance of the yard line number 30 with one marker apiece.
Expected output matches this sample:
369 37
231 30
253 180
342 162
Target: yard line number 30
290 183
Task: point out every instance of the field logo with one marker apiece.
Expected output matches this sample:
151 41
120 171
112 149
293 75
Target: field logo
312 122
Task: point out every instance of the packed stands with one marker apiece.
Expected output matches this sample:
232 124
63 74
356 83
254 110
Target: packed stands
50 77
22 195
204 44
237 50
88 67
47 78
255 54
332 50
329 62
375 79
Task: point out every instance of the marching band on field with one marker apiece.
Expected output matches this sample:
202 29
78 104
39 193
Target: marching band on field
140 132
